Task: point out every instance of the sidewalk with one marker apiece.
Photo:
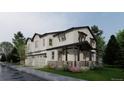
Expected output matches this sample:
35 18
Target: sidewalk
42 74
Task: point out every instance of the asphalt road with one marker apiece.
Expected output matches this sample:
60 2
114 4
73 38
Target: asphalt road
8 74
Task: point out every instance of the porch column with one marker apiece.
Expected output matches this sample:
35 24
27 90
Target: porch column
66 54
78 53
74 63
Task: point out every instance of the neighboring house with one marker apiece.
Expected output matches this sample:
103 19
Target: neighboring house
74 47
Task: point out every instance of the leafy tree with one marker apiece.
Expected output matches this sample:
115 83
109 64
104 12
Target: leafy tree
100 43
19 42
112 51
6 48
120 39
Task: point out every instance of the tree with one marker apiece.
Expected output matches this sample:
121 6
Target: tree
120 39
19 42
96 30
100 43
6 48
14 56
3 58
112 51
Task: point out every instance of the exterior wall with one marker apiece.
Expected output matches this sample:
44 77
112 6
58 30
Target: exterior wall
69 40
49 55
86 31
38 60
72 37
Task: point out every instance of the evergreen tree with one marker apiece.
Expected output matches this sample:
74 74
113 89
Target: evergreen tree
100 43
19 42
112 51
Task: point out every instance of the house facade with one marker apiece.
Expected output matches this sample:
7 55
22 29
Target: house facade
74 47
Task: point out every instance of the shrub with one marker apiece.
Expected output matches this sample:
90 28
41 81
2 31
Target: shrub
74 69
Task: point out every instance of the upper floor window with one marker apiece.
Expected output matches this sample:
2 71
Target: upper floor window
43 42
82 36
92 41
36 44
62 37
50 42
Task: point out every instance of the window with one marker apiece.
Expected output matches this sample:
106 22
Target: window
50 42
62 37
36 44
85 54
43 42
82 36
92 41
92 56
52 55
59 38
45 55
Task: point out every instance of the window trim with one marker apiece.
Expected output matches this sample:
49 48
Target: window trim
50 42
62 37
92 42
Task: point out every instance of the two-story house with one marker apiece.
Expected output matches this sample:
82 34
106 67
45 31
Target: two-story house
74 47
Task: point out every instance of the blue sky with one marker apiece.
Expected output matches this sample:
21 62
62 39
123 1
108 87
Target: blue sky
29 23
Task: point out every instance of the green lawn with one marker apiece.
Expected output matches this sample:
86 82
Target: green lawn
103 74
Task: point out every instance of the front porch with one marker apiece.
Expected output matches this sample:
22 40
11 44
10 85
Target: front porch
78 55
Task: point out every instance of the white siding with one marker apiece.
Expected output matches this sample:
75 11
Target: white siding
71 37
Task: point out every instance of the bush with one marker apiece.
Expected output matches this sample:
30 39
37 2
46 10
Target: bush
74 69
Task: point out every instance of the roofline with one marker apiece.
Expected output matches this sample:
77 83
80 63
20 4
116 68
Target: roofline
92 33
59 32
70 29
27 40
40 35
73 28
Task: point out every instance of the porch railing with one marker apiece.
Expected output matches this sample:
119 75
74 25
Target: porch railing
72 63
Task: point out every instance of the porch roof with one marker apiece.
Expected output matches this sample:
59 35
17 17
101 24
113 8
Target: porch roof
82 45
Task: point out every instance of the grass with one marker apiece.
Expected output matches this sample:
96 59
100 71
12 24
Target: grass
103 74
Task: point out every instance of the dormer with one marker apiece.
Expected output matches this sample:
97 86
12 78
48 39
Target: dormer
36 40
28 43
